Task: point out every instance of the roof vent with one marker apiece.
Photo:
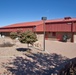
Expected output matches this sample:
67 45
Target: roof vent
66 18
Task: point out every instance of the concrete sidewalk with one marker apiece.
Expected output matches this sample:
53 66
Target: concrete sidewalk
66 49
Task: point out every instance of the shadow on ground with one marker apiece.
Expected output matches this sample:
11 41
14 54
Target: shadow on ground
70 68
36 64
23 49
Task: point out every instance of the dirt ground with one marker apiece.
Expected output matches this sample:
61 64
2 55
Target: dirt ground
8 54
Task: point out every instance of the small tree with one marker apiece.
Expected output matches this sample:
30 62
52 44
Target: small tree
13 35
28 37
16 34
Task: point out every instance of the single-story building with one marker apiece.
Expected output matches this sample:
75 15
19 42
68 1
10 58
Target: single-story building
54 29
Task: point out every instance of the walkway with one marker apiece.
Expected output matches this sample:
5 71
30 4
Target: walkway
66 49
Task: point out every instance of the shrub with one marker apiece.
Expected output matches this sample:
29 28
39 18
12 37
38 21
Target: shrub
28 37
13 35
6 44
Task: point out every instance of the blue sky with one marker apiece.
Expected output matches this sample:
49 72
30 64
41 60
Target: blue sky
16 11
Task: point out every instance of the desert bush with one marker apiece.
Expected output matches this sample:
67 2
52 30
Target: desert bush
6 44
27 37
13 35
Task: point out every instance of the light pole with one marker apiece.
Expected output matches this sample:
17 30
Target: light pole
44 19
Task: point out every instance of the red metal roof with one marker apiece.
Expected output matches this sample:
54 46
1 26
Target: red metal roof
35 23
25 24
38 24
61 20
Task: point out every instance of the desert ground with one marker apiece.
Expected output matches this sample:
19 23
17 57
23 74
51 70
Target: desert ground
17 60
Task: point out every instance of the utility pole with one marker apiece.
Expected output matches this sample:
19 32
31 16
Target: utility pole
44 31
